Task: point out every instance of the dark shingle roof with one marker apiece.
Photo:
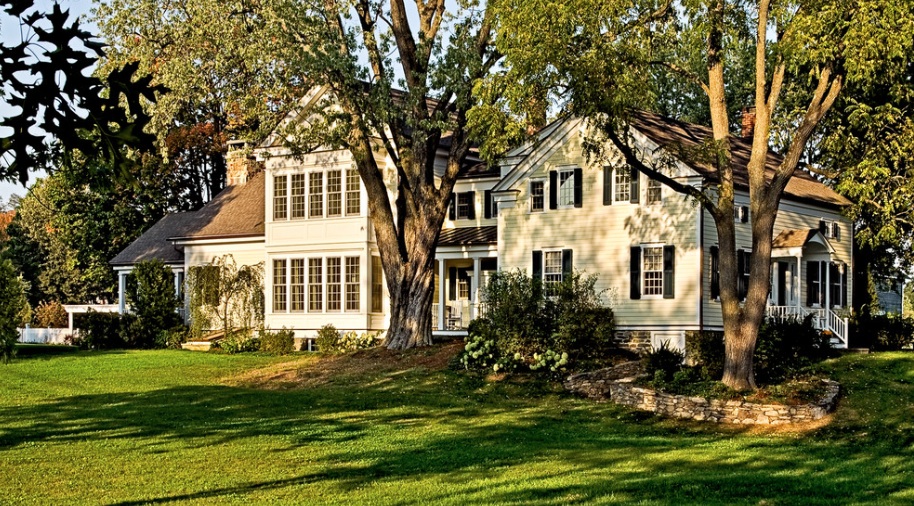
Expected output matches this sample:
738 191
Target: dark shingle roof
674 135
154 243
468 236
238 211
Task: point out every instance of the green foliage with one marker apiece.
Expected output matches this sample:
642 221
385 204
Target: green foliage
13 305
706 349
882 332
154 303
239 341
279 342
51 314
176 336
786 347
226 296
662 363
103 331
331 340
526 325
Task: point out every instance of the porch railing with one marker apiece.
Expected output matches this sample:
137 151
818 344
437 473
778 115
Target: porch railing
457 314
822 319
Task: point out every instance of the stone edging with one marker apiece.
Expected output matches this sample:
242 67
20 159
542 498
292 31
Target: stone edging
617 384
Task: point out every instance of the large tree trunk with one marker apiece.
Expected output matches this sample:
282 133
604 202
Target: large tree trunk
411 307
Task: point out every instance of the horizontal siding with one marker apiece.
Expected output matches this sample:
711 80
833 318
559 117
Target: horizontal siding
601 237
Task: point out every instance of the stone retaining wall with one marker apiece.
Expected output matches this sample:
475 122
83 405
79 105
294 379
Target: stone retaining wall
610 384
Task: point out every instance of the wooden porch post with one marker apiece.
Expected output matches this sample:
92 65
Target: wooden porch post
442 286
477 265
122 292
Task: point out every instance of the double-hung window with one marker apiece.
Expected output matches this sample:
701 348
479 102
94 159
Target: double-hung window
537 196
464 202
315 284
297 285
316 194
280 194
298 196
334 284
654 194
566 184
334 193
622 185
280 296
353 193
552 267
352 283
653 270
377 284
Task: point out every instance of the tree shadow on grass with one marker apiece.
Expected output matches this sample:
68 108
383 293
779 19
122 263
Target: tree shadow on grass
473 438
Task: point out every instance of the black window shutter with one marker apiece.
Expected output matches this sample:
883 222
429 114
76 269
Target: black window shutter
452 208
635 180
537 264
669 268
836 231
823 227
553 189
812 274
635 270
607 186
715 273
834 290
782 283
452 283
741 288
744 214
471 212
822 285
578 189
844 287
488 204
567 263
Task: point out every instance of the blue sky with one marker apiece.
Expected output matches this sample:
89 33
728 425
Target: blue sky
9 29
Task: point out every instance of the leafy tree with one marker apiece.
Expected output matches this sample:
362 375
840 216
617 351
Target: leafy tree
154 302
226 296
47 79
220 67
13 309
361 51
600 56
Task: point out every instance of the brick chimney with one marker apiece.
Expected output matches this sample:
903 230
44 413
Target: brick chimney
240 164
748 121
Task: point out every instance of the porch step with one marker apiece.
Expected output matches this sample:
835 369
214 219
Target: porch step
856 350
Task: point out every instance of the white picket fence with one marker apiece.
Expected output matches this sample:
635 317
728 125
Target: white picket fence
43 336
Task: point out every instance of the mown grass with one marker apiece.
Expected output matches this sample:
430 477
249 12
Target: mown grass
178 427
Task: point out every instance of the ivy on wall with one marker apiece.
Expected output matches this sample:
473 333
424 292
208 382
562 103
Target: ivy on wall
225 296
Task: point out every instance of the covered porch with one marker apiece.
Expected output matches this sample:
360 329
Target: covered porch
807 279
465 258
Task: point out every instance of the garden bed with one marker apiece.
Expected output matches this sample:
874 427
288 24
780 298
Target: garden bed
619 385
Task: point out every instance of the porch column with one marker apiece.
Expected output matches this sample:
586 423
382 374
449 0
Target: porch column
442 286
177 284
797 283
70 321
477 264
122 292
827 286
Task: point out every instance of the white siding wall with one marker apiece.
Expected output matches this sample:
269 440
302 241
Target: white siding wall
601 237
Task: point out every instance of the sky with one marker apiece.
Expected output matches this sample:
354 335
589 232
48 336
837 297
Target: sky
9 30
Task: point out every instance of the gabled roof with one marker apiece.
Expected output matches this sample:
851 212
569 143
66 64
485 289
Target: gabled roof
468 236
154 243
238 211
799 238
673 134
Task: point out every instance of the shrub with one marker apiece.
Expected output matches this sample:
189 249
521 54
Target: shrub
663 362
154 303
239 341
51 314
326 338
884 332
785 347
706 349
280 342
102 331
524 326
176 336
13 309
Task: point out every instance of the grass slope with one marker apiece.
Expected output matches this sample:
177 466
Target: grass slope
157 427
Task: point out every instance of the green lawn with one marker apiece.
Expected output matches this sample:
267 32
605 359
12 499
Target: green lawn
150 427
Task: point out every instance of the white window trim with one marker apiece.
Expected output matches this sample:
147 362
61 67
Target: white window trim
546 252
644 294
472 203
615 185
558 191
545 196
286 198
647 192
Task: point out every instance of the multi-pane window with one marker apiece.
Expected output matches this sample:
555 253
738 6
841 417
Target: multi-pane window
334 284
353 193
464 201
280 192
315 284
377 284
552 267
622 180
653 191
298 196
279 286
352 283
297 284
537 196
566 188
653 270
316 194
334 193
